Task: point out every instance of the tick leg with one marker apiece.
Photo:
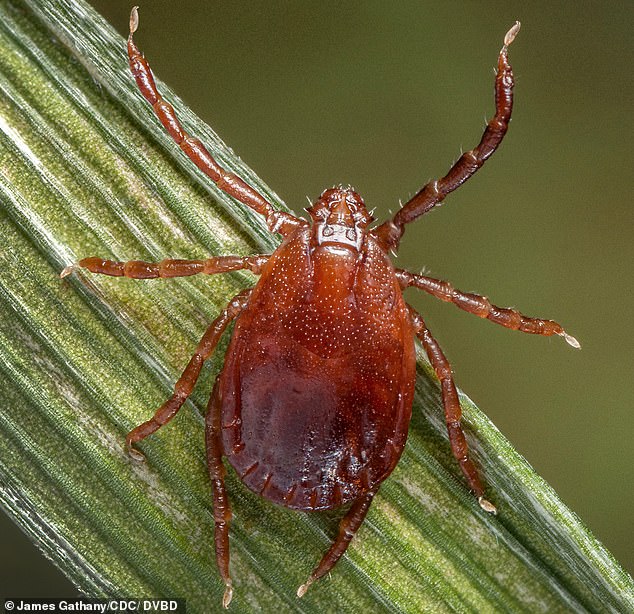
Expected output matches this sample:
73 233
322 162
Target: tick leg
480 306
277 221
185 384
390 232
453 412
137 269
221 507
348 527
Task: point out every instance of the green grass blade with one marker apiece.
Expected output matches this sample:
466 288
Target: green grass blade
86 170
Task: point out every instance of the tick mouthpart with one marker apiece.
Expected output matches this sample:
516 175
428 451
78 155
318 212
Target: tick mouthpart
342 192
343 205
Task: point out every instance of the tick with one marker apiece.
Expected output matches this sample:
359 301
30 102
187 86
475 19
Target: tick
313 404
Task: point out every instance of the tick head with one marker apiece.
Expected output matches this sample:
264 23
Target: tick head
340 218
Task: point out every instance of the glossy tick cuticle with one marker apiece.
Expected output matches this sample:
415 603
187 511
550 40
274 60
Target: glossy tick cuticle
313 404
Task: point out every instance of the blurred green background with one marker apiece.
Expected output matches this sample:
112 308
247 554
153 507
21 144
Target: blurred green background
384 96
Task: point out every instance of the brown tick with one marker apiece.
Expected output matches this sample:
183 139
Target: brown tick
313 404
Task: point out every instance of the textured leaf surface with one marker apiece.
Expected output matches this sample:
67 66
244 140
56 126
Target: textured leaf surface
86 170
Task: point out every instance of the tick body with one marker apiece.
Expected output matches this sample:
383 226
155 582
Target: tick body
316 391
313 404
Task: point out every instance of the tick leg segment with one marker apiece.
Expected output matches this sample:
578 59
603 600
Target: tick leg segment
277 221
184 386
453 412
348 527
137 269
480 306
221 506
391 231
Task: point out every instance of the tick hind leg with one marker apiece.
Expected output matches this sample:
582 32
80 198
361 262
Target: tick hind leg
453 412
184 386
348 527
221 507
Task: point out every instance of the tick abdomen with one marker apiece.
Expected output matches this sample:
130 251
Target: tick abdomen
315 415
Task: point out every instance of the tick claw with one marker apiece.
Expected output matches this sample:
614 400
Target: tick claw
301 591
135 454
68 270
571 340
511 34
228 596
134 19
487 506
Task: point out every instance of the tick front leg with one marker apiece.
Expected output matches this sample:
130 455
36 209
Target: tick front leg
453 411
221 507
480 306
390 232
348 527
138 269
277 221
184 386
